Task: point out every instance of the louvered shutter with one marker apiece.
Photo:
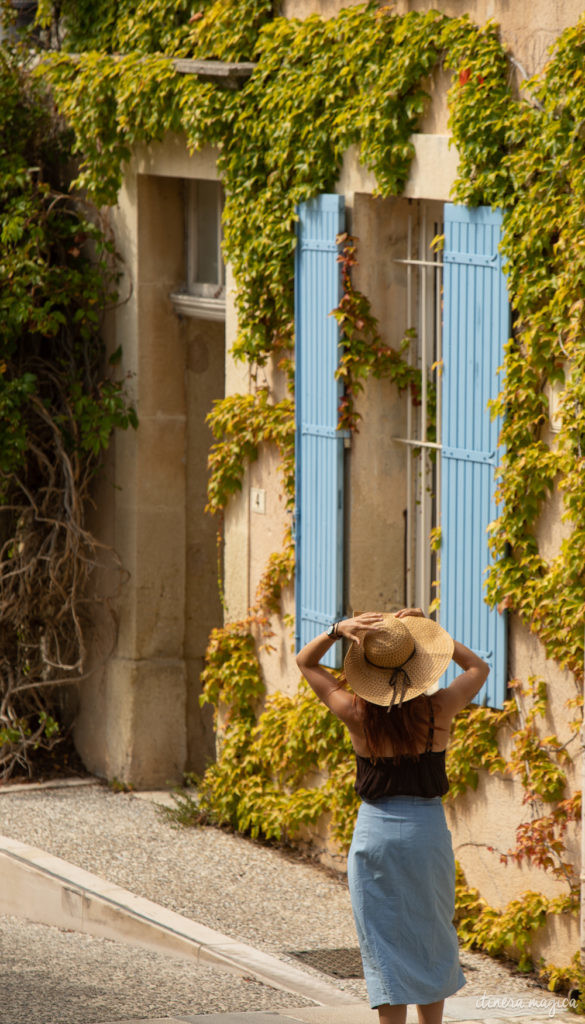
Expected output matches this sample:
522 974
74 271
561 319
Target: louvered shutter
476 327
319 445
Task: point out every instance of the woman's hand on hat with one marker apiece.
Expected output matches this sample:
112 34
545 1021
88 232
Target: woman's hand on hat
355 627
405 612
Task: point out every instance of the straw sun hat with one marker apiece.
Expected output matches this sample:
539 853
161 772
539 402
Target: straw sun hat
398 661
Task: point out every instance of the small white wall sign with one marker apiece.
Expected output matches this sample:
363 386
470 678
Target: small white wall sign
258 500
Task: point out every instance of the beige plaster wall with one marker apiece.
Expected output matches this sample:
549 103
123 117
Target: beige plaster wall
304 8
484 821
252 534
237 514
432 172
529 27
266 536
267 531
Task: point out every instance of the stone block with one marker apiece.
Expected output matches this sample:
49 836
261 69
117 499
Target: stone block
160 583
160 462
145 715
161 226
127 446
171 158
160 381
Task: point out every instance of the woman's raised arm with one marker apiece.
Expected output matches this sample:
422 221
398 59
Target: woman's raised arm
323 682
464 688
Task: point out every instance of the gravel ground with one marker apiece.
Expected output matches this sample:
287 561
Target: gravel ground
251 892
49 976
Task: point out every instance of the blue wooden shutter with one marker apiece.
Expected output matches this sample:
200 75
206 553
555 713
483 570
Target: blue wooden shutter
476 327
319 445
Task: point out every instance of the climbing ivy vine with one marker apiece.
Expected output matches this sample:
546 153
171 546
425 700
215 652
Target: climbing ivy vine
59 404
319 87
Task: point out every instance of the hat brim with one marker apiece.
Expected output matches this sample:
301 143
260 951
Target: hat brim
433 652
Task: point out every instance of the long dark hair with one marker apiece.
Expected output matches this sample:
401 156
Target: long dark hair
404 728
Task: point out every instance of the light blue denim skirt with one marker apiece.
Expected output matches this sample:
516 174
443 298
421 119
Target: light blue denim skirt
401 873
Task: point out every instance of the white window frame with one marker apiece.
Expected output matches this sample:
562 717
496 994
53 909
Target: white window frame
202 299
423 268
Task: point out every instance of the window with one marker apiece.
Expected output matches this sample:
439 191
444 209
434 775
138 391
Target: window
204 293
458 311
422 437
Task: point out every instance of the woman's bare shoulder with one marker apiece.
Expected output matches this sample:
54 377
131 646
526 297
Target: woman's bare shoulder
356 732
442 712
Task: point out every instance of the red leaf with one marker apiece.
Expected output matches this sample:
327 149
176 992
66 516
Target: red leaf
464 76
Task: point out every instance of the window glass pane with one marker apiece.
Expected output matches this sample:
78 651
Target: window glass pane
423 289
208 232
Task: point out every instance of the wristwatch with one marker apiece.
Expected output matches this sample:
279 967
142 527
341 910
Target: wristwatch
332 631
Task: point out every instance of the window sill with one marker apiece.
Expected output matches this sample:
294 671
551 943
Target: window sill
197 306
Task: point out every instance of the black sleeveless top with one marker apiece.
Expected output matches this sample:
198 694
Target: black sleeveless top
422 776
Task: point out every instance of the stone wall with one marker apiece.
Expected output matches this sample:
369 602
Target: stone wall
139 718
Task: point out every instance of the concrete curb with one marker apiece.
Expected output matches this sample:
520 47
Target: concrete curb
48 890
9 788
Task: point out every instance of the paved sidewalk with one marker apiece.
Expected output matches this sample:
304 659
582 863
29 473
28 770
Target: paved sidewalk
459 1010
